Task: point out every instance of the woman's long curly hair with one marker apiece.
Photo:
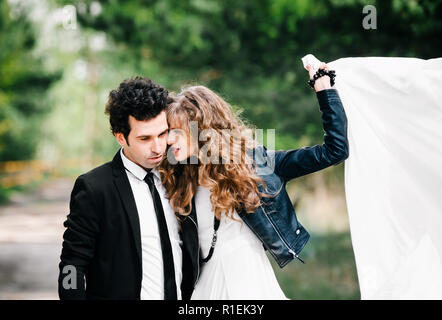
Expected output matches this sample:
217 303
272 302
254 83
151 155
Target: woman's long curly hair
226 171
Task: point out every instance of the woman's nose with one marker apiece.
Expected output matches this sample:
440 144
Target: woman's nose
171 138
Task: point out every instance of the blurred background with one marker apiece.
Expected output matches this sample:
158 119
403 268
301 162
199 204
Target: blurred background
60 59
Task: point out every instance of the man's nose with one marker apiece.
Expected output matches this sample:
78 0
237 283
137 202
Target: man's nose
158 145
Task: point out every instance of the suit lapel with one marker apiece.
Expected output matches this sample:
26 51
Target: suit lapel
123 186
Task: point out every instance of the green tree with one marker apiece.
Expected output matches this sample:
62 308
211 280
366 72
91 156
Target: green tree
23 85
250 50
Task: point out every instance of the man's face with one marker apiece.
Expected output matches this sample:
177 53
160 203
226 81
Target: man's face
147 141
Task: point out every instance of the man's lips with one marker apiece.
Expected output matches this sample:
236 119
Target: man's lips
156 158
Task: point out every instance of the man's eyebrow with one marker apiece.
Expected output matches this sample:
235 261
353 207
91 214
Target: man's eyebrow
149 136
143 136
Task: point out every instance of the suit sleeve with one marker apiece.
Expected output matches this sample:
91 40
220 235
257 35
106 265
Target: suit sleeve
291 164
82 228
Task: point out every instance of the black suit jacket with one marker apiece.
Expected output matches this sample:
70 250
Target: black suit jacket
103 240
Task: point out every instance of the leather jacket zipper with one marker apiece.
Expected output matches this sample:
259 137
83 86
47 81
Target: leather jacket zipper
280 237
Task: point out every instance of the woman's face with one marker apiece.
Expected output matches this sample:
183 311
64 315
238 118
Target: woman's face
179 141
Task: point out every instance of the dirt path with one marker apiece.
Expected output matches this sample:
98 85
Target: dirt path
31 231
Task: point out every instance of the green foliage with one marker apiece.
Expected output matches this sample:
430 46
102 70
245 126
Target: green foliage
4 195
23 82
250 51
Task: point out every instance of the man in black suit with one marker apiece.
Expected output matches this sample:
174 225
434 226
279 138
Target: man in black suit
122 239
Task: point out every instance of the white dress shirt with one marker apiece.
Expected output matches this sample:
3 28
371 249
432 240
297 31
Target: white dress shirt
152 286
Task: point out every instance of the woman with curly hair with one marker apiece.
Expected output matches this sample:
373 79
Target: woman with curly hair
219 181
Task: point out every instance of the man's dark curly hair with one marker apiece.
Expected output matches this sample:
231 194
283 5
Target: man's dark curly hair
138 97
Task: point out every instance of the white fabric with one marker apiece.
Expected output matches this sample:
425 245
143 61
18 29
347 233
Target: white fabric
311 60
152 285
393 176
239 268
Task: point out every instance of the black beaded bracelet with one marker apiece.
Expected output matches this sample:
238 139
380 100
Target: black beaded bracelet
321 73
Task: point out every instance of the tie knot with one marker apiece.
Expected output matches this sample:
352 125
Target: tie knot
149 178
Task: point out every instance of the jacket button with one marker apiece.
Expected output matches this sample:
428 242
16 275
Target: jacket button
298 231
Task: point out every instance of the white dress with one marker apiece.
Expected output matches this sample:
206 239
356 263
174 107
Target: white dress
239 268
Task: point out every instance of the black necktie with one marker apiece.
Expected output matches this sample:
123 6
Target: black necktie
166 247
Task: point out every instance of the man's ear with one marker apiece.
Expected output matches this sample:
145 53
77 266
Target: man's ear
120 138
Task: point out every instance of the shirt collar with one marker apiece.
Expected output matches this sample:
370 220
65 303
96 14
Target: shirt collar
138 171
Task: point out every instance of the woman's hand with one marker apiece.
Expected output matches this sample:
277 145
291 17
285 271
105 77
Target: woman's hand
321 83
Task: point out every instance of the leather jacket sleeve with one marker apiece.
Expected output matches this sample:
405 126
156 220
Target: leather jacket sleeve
291 164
